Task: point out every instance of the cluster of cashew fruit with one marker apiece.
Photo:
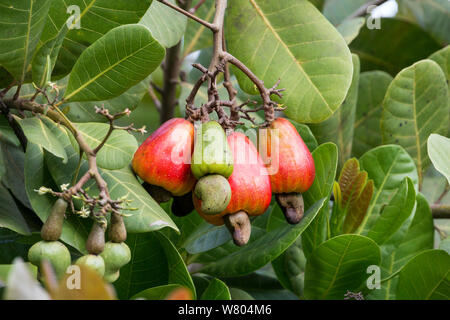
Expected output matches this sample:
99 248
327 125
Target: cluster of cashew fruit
105 258
224 177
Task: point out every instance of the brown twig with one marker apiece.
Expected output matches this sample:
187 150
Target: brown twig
197 6
212 27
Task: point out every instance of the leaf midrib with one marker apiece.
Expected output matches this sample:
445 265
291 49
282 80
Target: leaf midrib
106 71
277 36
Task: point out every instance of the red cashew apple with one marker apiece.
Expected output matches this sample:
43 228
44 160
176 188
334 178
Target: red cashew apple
163 159
291 167
250 190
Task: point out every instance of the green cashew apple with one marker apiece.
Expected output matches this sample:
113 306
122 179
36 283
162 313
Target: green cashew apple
52 228
115 255
54 252
214 191
94 262
212 154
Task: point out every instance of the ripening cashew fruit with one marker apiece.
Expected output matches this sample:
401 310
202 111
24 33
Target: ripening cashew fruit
212 154
212 164
52 228
54 252
115 256
163 160
94 262
250 190
291 167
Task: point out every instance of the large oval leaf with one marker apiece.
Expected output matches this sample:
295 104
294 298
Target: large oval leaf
339 265
262 248
387 166
166 25
21 25
339 127
399 250
442 58
372 89
154 262
118 60
291 40
325 159
394 214
416 105
407 44
439 153
118 150
96 18
425 277
39 131
216 290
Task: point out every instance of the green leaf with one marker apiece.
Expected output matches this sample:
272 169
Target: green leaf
290 268
262 248
325 160
338 10
198 36
291 40
416 105
397 251
14 177
21 25
442 58
100 75
372 89
387 166
238 294
10 215
216 290
431 15
39 130
154 262
206 237
96 18
85 111
166 25
339 127
118 150
149 216
156 293
36 175
7 133
439 153
409 45
425 277
45 58
350 28
339 265
394 214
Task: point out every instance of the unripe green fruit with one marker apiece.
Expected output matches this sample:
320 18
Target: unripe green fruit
212 154
115 255
111 277
93 262
96 239
52 228
54 252
215 193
